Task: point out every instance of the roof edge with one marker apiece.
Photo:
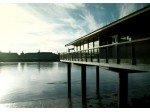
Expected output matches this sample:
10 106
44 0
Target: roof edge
113 23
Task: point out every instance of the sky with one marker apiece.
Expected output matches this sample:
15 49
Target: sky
30 27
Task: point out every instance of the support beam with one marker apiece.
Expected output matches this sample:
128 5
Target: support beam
91 53
97 80
118 50
88 50
118 55
123 89
83 82
69 79
97 54
99 50
106 54
133 54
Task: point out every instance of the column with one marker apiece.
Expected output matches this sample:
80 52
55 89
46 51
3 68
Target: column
106 50
69 79
99 50
97 80
123 89
118 56
88 51
133 54
80 53
118 50
83 83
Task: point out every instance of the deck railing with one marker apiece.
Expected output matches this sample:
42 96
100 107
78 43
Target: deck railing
130 52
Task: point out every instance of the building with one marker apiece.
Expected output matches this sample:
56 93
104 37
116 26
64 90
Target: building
9 57
121 44
29 57
39 56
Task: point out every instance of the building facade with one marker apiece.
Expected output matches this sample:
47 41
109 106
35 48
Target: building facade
122 44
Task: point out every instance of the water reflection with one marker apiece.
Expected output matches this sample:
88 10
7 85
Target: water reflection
24 80
70 102
36 65
42 84
21 66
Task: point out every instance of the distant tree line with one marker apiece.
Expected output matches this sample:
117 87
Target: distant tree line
29 57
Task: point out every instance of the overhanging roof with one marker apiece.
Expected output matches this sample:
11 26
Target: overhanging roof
109 27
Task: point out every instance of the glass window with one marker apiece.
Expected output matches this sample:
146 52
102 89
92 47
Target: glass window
125 38
85 46
114 39
82 47
103 41
78 48
96 43
109 40
91 45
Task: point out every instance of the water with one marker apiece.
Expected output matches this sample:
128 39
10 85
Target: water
45 85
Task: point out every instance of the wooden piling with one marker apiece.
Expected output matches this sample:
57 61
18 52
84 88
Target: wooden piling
83 83
123 89
97 80
69 79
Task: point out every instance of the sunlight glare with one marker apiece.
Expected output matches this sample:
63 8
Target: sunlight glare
6 84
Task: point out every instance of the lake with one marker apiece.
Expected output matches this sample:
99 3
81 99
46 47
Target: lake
44 85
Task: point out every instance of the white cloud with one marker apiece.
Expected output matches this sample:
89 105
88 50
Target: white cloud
126 9
71 5
90 22
48 27
21 30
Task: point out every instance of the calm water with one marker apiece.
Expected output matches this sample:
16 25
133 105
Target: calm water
45 85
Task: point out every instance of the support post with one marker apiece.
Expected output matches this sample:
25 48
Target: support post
83 82
97 80
99 50
106 54
123 89
88 51
97 54
118 50
91 55
133 54
118 56
80 53
69 79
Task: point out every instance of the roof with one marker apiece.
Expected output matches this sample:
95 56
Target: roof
114 25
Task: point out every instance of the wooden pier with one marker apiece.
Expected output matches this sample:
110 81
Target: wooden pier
122 46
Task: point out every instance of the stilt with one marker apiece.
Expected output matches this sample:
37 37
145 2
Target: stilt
123 89
69 80
83 82
97 80
69 103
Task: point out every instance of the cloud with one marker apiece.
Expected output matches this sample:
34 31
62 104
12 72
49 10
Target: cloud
127 8
71 5
44 26
63 25
48 27
89 21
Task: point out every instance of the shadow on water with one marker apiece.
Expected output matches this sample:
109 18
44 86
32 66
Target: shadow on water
70 102
142 102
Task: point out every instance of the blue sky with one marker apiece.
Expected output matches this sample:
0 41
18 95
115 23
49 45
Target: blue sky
30 27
